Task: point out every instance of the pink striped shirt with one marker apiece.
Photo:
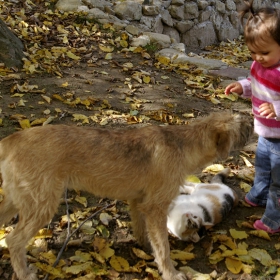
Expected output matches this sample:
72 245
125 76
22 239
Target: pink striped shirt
262 86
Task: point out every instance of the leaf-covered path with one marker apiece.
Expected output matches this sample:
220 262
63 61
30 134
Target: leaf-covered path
83 73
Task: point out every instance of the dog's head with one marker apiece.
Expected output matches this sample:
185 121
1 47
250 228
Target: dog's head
236 133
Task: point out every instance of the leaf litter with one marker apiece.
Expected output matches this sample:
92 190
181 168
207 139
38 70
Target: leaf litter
103 246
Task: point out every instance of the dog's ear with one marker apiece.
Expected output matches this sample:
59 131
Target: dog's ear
223 145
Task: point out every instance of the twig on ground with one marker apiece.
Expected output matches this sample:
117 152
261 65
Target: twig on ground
69 234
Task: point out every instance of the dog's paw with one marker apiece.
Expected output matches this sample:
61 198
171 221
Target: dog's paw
177 276
30 276
180 276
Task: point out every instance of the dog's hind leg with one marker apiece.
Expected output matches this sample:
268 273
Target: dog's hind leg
138 224
156 220
7 211
33 215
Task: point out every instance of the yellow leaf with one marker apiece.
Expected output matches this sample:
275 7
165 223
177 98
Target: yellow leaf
188 115
73 56
119 264
123 43
24 123
214 100
233 265
107 49
17 95
107 252
181 255
21 103
164 77
80 117
128 65
146 79
214 168
65 40
65 84
260 233
44 233
238 234
90 276
154 273
163 60
76 269
245 187
216 257
261 255
141 254
195 275
58 97
108 56
105 218
246 161
47 112
98 257
193 179
81 257
46 98
2 234
51 270
82 200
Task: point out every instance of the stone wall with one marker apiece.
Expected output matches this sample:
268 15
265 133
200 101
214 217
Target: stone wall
196 23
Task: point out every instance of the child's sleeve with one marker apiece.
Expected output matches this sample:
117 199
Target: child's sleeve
246 86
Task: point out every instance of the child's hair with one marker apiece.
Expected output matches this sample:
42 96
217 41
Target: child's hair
261 24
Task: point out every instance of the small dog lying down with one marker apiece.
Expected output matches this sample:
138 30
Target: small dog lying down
200 206
145 166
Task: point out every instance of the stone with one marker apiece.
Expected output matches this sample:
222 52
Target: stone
150 10
177 2
128 10
161 40
201 35
172 33
140 41
183 26
190 10
176 12
220 6
131 29
227 32
97 13
230 5
100 4
202 4
166 17
67 6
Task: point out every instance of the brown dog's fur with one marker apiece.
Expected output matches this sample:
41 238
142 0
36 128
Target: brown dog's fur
145 166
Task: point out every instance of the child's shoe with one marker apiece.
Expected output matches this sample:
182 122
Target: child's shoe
250 203
261 226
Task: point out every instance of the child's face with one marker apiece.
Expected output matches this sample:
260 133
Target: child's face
266 53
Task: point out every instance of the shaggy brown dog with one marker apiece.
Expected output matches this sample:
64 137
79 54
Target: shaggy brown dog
145 166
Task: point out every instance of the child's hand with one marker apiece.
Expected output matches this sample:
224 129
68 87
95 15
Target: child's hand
234 87
267 110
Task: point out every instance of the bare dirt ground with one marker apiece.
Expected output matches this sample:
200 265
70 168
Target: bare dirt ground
105 93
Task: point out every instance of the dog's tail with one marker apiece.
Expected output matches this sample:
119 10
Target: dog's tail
220 177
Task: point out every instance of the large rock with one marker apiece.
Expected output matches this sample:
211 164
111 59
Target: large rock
11 48
200 36
128 10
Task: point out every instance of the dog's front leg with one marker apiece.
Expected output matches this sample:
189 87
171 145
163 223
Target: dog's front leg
156 219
